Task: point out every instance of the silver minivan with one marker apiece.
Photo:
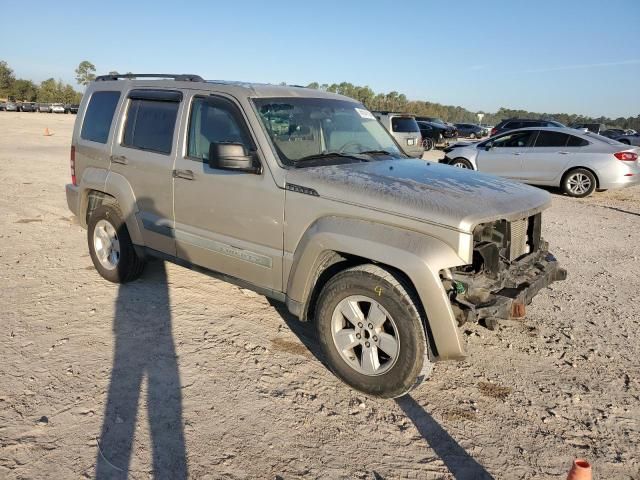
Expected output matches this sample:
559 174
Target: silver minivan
404 129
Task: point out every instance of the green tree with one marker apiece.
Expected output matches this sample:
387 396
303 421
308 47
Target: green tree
85 73
23 90
6 78
48 91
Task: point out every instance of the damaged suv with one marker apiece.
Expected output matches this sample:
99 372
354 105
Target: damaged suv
302 196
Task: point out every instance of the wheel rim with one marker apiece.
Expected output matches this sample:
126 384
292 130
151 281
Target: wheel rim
365 335
106 244
579 183
461 165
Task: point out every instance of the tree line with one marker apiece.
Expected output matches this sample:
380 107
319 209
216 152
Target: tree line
398 102
48 91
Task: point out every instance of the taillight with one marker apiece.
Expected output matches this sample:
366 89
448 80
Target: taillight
626 156
493 132
72 159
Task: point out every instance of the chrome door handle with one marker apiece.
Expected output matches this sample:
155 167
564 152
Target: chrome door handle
564 153
184 174
121 159
517 153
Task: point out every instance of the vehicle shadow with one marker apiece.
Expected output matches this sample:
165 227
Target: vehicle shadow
144 349
462 465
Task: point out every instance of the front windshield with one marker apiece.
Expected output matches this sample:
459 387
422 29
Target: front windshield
308 127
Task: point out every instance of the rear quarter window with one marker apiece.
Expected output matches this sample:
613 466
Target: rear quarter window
99 116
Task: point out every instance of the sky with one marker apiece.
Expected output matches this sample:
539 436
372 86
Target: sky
544 56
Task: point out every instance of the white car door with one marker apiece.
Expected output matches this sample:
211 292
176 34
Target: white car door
503 155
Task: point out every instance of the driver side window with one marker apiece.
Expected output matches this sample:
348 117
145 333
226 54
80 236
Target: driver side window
214 121
513 140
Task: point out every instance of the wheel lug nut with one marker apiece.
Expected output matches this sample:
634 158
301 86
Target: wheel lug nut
375 339
370 326
367 344
360 324
358 335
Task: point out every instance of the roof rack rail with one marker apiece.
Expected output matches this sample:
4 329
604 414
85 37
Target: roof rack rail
182 77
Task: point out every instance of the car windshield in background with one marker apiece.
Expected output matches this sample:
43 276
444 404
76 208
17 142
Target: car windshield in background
303 128
404 125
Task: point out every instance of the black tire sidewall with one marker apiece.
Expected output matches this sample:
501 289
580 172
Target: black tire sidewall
463 161
403 375
127 264
565 182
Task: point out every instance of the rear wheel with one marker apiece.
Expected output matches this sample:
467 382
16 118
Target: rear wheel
110 246
578 183
473 135
371 332
427 143
461 163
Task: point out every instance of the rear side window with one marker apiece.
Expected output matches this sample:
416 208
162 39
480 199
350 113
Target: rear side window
551 139
404 125
99 115
150 125
576 142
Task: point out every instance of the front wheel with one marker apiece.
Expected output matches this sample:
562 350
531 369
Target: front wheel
578 183
371 332
110 246
427 143
461 163
473 135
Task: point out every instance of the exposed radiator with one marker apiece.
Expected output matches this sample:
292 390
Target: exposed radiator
518 245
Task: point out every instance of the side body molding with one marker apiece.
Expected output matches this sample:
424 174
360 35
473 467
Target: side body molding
118 186
419 256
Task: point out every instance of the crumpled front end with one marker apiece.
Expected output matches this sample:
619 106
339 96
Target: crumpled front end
511 264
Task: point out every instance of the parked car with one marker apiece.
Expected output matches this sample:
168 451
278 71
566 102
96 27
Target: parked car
591 127
385 254
71 108
440 133
27 107
10 107
577 162
431 120
629 139
613 132
2 106
515 123
44 108
470 130
404 129
57 108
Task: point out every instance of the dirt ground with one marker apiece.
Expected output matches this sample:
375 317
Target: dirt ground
197 377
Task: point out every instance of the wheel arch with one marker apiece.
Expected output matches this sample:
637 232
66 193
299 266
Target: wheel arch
577 167
333 244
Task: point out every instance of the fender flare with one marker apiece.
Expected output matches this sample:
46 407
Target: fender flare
420 257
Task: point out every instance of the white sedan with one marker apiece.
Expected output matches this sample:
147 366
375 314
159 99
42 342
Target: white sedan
577 162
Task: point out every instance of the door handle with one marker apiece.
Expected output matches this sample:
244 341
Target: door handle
517 153
121 159
184 174
564 153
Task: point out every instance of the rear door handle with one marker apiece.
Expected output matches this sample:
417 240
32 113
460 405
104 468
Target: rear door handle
184 174
121 159
518 153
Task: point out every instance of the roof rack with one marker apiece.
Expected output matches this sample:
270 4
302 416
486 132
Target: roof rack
182 77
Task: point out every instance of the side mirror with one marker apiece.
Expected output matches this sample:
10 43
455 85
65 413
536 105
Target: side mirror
231 156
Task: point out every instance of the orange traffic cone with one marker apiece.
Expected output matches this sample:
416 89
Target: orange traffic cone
580 470
47 133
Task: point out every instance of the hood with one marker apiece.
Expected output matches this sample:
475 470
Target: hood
426 191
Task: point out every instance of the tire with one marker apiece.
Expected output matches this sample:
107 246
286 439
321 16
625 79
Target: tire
461 162
125 266
427 144
403 365
473 135
578 183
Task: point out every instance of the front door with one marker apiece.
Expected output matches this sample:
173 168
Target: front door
503 155
144 154
227 221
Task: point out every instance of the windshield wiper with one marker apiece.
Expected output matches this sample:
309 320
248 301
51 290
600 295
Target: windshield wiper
317 156
375 152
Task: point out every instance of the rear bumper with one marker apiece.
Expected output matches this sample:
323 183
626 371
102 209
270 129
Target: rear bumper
509 300
73 198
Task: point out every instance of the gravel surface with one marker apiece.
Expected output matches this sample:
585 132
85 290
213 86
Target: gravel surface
184 375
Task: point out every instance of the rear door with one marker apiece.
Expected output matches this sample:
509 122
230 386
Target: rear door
503 155
548 157
144 154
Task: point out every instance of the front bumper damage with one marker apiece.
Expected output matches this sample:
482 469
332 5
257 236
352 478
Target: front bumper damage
487 298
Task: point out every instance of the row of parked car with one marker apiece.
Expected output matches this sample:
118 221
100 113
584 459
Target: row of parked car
39 107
